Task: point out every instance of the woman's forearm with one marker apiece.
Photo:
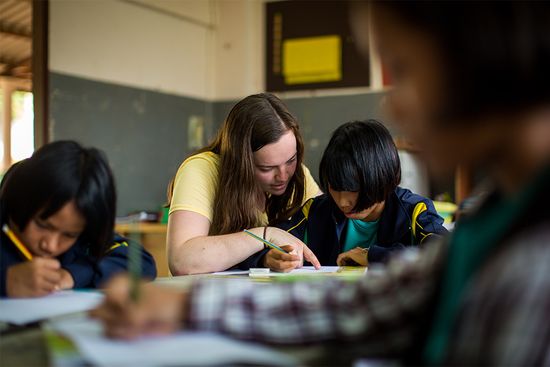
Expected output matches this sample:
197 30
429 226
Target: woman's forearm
206 254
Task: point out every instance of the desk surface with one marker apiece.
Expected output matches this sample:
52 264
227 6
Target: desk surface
24 348
29 347
184 282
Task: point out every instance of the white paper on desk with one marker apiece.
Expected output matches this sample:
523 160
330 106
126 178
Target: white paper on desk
303 270
231 272
182 349
312 270
306 270
24 310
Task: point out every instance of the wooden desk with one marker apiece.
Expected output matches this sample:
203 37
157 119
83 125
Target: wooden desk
153 239
24 348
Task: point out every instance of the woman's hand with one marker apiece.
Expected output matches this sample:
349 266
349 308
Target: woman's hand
353 257
296 250
35 278
158 311
281 262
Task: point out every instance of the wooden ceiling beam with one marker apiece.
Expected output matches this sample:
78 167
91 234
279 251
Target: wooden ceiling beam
14 30
19 69
7 61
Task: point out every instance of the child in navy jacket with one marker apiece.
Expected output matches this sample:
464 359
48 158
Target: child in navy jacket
57 211
364 216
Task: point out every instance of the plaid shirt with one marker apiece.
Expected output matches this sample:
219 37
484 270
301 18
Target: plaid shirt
504 318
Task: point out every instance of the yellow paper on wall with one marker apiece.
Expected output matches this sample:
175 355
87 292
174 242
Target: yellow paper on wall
312 59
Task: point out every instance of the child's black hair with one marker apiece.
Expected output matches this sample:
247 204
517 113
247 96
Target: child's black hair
361 157
56 174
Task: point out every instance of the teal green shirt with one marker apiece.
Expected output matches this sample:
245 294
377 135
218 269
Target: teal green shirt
360 234
471 244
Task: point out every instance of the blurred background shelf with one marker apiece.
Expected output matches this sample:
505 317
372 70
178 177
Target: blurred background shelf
153 238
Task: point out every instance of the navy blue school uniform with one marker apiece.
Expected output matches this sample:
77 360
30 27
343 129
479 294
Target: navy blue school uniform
85 270
408 219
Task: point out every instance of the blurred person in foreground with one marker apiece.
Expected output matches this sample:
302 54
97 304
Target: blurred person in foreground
471 86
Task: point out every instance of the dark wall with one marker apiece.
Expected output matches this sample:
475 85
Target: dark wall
320 116
144 133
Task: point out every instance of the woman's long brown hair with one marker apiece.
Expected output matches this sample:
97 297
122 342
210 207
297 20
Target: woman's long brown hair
254 122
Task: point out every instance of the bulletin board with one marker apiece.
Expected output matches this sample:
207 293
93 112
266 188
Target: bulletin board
310 45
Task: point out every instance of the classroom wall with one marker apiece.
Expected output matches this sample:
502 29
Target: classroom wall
123 43
207 49
144 133
239 49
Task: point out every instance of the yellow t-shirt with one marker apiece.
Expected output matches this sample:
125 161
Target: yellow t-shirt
197 180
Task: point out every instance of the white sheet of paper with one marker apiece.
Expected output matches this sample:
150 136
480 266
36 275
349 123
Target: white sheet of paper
312 270
182 349
306 270
24 310
231 272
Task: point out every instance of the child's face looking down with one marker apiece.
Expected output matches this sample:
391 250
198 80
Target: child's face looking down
346 201
54 235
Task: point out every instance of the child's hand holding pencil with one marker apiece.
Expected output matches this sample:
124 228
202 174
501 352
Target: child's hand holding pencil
35 277
157 311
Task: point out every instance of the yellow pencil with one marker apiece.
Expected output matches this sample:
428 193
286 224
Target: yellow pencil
17 242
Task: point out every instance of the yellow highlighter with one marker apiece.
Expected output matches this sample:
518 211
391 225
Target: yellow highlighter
17 242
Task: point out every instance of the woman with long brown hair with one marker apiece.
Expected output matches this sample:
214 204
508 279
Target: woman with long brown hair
250 177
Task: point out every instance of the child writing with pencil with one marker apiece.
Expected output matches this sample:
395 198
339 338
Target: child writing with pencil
57 211
365 216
